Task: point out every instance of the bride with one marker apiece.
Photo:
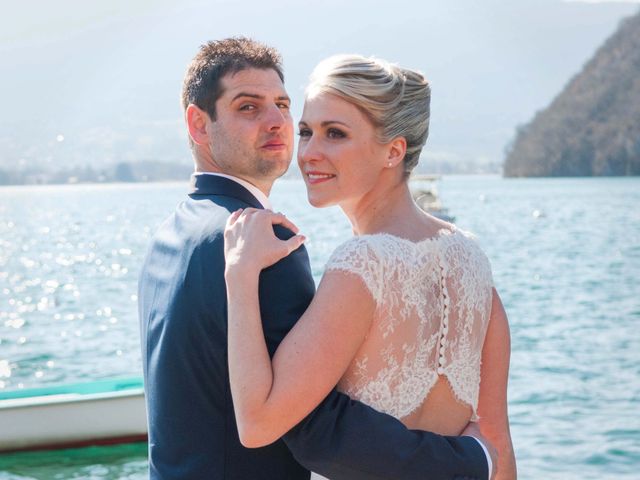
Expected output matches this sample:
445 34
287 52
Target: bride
406 318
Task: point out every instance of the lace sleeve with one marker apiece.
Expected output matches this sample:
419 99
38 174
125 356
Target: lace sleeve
477 259
357 256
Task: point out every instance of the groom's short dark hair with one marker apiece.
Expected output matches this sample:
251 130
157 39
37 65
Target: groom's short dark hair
218 58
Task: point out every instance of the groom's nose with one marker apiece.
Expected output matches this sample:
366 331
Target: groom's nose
275 118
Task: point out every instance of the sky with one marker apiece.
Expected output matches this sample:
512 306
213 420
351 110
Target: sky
105 76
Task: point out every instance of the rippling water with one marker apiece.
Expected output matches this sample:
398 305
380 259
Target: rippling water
566 260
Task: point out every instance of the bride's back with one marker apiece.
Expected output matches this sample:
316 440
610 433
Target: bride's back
420 361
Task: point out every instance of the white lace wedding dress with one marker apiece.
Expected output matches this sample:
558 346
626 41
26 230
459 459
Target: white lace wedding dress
433 303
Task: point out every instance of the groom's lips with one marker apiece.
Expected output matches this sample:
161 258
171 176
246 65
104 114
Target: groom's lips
318 177
274 145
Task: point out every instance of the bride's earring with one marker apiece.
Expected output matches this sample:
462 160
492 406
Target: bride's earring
390 164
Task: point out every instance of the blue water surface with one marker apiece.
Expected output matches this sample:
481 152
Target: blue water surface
566 260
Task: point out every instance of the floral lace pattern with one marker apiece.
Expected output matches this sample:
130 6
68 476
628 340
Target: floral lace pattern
433 303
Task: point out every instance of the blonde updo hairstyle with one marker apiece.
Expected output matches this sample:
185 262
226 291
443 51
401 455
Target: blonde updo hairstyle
395 99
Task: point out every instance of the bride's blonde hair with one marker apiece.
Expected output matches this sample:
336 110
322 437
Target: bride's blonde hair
395 99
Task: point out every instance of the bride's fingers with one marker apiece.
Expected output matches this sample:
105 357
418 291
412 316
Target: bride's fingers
234 217
281 219
294 243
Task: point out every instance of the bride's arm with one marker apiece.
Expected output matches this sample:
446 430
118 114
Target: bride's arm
270 397
492 406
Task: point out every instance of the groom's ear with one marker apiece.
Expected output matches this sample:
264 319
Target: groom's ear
197 124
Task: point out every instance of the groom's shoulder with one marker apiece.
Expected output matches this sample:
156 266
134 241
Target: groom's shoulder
201 214
197 222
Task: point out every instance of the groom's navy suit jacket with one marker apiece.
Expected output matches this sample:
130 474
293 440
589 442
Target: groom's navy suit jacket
192 428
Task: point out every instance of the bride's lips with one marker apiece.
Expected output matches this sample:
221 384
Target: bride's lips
318 177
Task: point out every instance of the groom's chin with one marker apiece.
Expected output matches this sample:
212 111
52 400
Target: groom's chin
273 168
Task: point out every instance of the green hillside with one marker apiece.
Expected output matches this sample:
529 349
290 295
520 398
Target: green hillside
592 127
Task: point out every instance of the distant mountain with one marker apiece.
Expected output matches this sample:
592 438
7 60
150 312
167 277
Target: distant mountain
107 78
593 127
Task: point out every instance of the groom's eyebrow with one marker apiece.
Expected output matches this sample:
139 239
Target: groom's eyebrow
259 97
246 94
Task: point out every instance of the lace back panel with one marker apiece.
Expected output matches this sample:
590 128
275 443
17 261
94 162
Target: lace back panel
433 303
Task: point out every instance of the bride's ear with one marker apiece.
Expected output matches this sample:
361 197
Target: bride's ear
196 119
396 152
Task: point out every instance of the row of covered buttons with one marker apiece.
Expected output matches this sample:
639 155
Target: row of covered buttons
445 319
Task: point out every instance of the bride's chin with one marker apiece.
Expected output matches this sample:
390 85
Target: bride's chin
319 202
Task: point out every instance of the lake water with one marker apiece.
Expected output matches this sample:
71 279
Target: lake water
566 260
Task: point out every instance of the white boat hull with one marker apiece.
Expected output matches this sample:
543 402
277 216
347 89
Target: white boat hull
71 419
425 195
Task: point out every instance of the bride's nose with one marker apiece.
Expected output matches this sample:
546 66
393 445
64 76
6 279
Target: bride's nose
309 149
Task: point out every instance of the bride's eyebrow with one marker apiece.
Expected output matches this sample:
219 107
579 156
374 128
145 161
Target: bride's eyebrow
330 122
326 123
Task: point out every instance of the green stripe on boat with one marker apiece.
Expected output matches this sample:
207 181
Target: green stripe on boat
86 388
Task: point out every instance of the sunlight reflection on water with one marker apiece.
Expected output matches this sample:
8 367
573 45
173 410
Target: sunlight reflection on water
568 275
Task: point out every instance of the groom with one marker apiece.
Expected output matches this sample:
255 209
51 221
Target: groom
241 136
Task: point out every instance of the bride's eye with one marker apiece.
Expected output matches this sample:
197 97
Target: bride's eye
335 133
304 132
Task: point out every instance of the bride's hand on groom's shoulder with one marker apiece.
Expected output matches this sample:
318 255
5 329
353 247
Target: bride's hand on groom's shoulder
250 243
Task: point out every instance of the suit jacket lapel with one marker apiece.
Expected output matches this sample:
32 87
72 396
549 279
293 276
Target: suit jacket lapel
204 184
